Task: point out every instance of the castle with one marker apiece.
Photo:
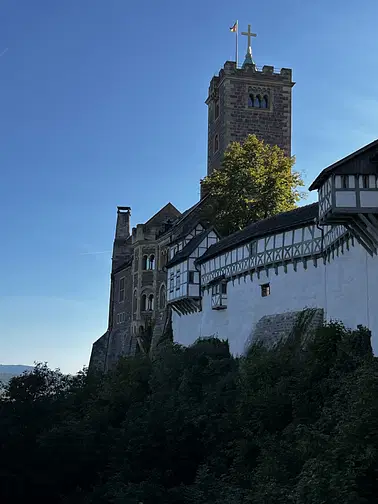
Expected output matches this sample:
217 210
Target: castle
175 269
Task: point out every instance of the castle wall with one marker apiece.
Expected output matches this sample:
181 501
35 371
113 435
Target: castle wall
346 288
120 330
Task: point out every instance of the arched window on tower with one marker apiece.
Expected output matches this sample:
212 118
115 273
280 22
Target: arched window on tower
151 262
251 100
162 297
265 102
150 303
257 101
216 143
144 262
143 304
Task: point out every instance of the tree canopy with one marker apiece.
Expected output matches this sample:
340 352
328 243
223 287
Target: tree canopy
255 181
196 425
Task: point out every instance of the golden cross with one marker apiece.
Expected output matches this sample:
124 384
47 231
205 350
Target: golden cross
249 35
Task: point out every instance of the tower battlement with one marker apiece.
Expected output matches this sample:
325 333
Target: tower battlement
230 69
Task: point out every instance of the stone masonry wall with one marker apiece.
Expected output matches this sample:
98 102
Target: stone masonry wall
271 329
237 120
120 333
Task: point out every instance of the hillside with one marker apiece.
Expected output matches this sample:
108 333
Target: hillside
8 371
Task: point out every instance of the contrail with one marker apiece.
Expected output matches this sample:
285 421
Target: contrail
3 52
96 253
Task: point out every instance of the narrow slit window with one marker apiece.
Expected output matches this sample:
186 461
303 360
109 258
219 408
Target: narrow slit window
122 289
151 262
178 280
143 306
135 301
216 143
345 181
150 304
253 249
365 181
144 262
216 109
162 297
191 277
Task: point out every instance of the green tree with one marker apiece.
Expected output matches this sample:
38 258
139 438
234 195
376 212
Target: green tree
256 181
294 424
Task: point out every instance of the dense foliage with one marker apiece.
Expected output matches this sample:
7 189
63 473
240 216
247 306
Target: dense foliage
195 425
256 181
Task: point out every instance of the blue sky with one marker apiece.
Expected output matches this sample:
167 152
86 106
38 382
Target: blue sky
102 104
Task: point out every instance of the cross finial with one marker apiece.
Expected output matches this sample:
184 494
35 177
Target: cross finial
248 56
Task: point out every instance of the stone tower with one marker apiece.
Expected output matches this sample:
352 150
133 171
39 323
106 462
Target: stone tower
248 100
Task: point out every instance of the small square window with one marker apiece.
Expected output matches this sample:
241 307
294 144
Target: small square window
265 290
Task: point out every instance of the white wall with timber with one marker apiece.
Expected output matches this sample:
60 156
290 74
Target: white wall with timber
346 287
184 277
348 192
180 244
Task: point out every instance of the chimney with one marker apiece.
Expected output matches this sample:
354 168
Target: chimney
123 222
121 234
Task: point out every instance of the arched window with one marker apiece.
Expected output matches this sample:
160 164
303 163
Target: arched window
143 305
264 102
162 297
151 262
216 143
144 262
251 100
257 102
150 302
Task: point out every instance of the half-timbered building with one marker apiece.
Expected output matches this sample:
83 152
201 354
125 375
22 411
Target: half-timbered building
321 256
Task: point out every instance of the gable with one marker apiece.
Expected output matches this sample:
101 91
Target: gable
169 211
362 162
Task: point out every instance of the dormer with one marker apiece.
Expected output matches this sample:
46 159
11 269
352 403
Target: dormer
348 195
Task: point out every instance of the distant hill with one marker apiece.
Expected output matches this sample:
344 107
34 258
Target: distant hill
8 371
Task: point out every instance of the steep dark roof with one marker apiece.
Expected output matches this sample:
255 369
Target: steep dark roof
283 221
188 249
163 210
327 171
182 218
